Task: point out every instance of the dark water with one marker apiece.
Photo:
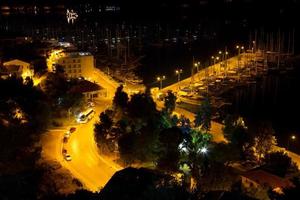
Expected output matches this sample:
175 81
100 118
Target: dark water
275 98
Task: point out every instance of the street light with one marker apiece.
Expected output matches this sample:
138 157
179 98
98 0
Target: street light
178 72
239 52
292 138
197 65
214 60
160 80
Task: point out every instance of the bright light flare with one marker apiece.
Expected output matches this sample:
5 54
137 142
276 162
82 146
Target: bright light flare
203 150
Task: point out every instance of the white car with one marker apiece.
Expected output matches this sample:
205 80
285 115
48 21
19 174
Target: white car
67 157
67 134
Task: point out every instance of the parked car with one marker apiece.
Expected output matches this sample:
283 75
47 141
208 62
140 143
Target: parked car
72 129
67 157
65 139
67 134
64 151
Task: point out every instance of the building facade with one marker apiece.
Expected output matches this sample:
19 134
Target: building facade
18 68
77 64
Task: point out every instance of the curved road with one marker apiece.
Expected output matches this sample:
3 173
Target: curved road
92 169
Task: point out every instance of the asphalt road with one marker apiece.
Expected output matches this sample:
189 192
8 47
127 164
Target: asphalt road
92 169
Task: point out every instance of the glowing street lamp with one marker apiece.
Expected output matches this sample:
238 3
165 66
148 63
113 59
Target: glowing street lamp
239 52
197 65
178 72
239 48
160 80
213 58
291 138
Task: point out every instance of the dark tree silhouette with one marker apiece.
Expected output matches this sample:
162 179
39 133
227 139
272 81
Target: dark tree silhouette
169 156
170 102
121 98
278 163
203 116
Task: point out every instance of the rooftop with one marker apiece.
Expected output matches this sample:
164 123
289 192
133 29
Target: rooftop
85 86
265 178
77 54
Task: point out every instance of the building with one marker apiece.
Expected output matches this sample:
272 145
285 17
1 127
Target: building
91 91
18 68
75 64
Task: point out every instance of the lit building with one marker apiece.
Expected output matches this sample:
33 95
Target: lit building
75 64
89 90
18 68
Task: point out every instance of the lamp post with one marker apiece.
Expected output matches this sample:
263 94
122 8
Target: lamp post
178 72
214 60
239 48
160 80
221 55
197 65
216 67
291 138
226 57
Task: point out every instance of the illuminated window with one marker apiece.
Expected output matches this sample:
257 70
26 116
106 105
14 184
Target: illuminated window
74 71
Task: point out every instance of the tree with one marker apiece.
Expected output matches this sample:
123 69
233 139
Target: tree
141 106
236 133
203 116
217 177
127 149
224 153
146 184
278 163
121 98
169 156
194 149
24 114
264 141
170 102
102 131
56 86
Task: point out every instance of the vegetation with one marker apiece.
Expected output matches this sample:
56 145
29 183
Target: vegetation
25 111
203 116
24 114
169 102
279 163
